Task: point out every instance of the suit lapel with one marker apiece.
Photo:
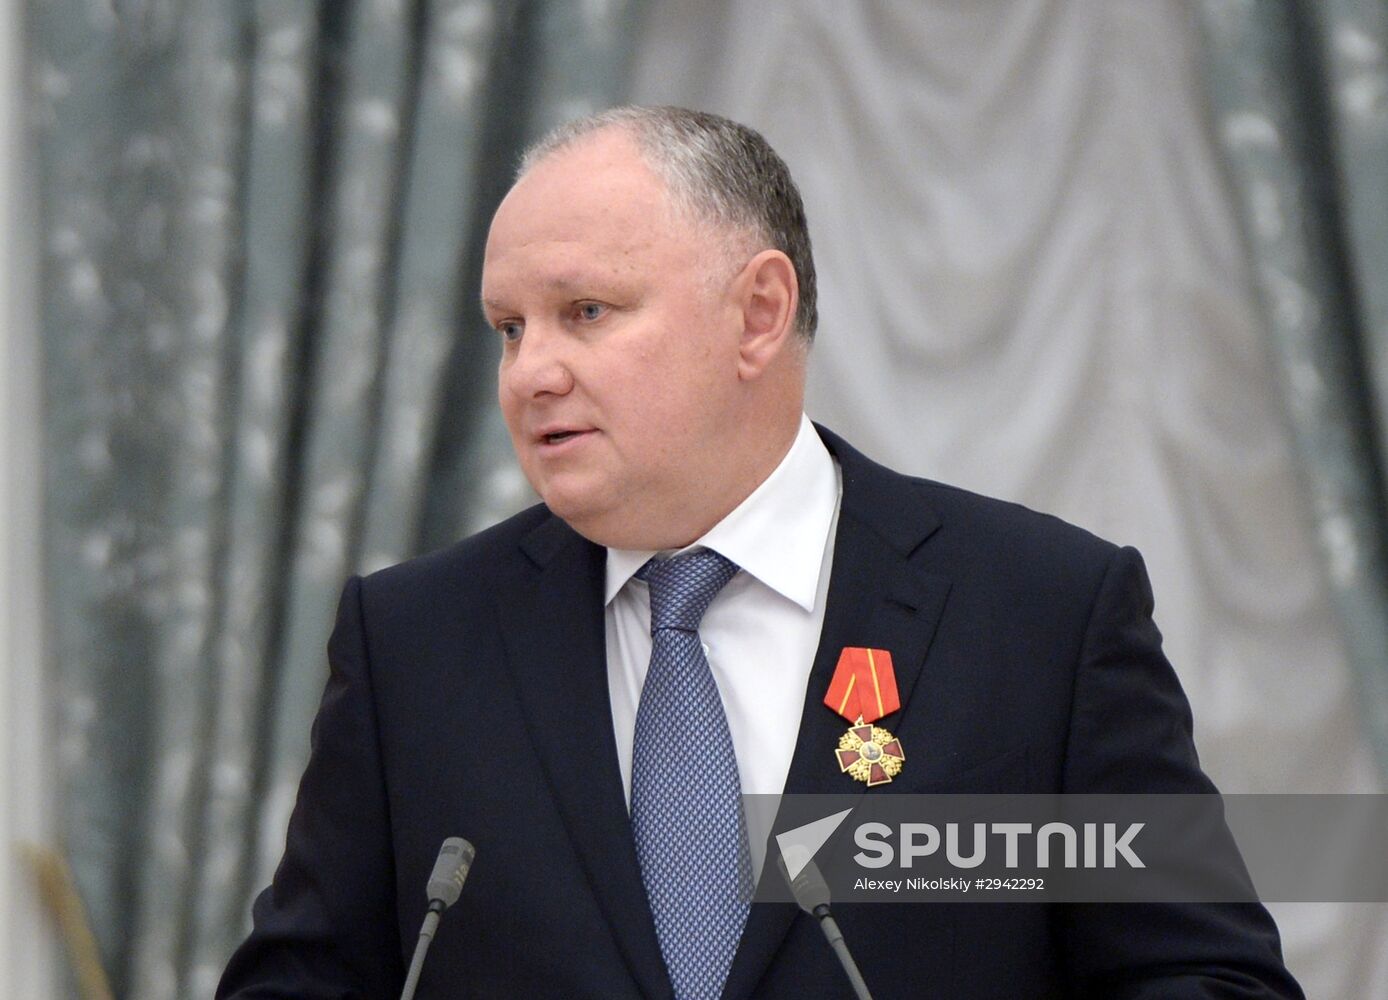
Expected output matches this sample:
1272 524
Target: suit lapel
880 597
554 628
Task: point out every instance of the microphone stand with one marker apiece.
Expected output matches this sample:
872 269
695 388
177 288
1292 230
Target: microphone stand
445 885
831 931
811 893
426 937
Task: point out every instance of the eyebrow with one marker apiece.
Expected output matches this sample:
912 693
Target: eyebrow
565 281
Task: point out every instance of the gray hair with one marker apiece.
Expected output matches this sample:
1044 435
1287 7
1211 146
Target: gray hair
720 171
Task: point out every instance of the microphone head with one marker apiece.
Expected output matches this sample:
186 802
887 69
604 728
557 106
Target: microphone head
809 888
450 871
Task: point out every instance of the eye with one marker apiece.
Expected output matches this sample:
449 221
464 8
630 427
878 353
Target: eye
590 311
510 330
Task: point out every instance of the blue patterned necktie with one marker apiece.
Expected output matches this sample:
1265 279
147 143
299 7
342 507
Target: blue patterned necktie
686 811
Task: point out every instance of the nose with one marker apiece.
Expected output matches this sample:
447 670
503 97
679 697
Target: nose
538 365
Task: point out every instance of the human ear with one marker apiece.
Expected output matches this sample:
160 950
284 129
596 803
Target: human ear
768 294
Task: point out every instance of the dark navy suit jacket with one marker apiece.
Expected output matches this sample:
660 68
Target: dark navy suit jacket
468 696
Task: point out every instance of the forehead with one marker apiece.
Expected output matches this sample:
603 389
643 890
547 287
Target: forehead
593 218
598 188
595 209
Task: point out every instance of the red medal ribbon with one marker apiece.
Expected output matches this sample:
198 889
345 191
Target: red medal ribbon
864 685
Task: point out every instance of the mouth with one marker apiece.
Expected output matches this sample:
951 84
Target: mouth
560 435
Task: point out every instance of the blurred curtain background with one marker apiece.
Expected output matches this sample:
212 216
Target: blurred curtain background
1300 95
1126 260
261 229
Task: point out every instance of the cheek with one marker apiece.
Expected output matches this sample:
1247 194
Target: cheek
512 414
670 419
507 403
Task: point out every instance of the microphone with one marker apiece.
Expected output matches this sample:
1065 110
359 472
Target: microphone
444 888
811 892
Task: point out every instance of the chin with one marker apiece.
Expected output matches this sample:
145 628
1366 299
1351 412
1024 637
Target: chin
618 531
601 526
605 520
578 511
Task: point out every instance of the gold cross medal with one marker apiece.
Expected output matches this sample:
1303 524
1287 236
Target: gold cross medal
864 690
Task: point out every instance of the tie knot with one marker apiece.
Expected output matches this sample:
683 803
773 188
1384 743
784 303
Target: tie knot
683 587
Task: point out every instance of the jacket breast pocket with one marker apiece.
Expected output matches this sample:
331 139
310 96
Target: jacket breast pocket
1007 773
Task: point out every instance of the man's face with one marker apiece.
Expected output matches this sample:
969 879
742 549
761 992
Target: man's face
619 373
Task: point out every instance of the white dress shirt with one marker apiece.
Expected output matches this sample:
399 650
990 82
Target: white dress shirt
761 631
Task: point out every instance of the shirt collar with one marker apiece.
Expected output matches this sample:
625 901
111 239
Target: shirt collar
777 534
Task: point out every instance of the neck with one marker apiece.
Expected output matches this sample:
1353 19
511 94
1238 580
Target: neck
750 472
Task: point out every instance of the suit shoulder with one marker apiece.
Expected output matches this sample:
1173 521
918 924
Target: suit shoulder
478 556
1012 533
978 528
955 502
1033 565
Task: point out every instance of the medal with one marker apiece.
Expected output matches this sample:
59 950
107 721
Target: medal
871 754
864 690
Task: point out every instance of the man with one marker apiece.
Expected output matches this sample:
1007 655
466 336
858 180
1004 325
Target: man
578 688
